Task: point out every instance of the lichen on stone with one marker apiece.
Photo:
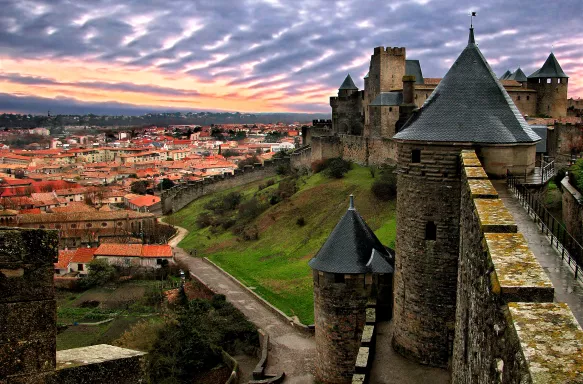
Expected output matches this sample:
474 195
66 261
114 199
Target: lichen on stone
551 341
514 263
493 216
482 188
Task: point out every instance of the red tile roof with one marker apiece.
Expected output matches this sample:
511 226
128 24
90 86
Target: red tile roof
116 249
134 250
83 255
156 251
145 201
65 257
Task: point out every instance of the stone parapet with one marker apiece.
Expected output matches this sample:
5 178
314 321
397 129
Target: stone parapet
551 341
507 328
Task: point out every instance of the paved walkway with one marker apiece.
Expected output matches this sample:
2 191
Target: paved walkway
391 368
291 350
567 288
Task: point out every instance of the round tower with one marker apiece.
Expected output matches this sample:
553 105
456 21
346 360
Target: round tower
344 270
551 84
468 109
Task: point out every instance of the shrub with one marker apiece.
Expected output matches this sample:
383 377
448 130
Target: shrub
227 202
248 161
283 169
99 274
385 187
576 175
204 220
337 168
250 209
559 177
287 188
301 222
318 166
270 182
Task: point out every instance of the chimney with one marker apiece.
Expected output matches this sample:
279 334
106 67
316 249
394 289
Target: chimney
408 89
408 106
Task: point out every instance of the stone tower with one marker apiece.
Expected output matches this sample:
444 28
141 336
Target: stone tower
347 109
551 83
387 68
344 271
468 109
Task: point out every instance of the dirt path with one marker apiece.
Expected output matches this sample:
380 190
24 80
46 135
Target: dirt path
291 350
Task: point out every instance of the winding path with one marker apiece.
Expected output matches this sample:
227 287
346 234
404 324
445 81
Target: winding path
290 350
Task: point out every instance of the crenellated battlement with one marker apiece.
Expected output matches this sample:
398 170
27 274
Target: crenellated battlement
184 193
392 51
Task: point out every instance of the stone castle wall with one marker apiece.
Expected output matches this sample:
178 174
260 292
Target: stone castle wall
551 99
28 321
572 210
525 100
28 314
425 268
340 316
564 140
507 327
183 194
358 149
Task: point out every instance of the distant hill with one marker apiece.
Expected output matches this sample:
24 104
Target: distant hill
277 263
159 119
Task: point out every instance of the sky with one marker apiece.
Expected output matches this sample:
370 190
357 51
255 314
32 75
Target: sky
123 56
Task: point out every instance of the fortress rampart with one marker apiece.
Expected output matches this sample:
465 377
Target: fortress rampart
507 329
184 193
28 321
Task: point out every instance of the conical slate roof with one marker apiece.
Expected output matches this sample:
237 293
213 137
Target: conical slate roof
506 75
551 68
518 75
469 106
352 248
348 84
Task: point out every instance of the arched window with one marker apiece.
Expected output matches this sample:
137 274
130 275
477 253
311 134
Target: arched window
338 278
88 225
518 97
430 231
416 156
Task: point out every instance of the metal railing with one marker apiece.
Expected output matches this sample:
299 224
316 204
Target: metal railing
541 175
569 248
547 171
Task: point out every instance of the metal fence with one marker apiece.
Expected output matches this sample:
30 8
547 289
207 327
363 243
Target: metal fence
569 248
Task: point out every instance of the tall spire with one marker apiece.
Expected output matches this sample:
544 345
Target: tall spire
471 39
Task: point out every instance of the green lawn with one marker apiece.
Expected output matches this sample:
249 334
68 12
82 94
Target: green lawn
277 264
126 304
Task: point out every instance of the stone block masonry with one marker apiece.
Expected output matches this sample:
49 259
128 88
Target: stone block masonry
340 315
179 196
28 321
508 329
426 254
27 303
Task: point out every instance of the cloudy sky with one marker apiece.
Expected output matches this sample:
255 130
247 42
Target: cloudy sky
115 56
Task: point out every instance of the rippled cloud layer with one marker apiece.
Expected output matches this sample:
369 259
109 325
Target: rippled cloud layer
253 55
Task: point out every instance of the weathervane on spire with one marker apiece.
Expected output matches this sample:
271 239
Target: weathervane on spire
472 15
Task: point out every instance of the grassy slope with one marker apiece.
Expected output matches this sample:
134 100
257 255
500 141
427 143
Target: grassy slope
277 264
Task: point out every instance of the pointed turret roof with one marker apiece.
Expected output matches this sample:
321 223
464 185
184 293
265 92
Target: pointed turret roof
348 83
505 75
469 106
551 68
517 75
352 248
